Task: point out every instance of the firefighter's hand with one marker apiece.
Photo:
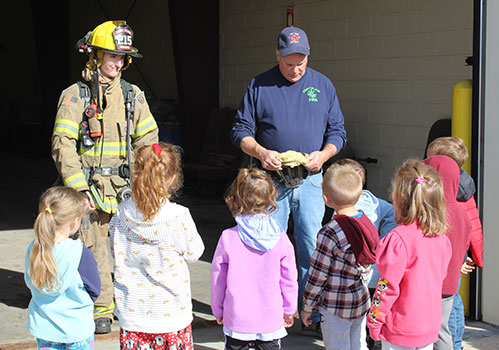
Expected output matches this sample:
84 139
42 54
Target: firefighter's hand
269 160
91 204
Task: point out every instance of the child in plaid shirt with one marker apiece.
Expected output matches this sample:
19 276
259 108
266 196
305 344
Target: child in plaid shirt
340 263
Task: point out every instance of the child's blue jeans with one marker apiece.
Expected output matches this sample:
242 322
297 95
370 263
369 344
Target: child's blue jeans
456 321
306 205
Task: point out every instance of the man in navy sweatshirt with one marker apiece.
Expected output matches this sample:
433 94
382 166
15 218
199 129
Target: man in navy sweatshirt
292 107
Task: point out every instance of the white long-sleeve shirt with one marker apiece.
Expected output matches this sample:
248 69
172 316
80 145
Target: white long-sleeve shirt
152 281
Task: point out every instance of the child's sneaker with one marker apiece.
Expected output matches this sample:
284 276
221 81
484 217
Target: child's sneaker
314 330
103 325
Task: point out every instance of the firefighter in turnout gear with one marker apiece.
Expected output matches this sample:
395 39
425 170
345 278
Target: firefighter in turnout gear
99 122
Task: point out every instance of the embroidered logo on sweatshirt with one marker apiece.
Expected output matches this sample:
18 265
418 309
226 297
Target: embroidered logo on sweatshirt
312 92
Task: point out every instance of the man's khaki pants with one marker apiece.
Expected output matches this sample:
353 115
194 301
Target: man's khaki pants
95 239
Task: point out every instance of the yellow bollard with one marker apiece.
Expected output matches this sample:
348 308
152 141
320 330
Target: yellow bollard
461 127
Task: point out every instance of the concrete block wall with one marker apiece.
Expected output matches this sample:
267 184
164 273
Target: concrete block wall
393 62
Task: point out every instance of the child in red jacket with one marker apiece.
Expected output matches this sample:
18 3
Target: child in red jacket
412 261
454 148
459 234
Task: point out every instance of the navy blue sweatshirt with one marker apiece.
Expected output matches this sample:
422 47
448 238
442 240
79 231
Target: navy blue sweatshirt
303 116
88 273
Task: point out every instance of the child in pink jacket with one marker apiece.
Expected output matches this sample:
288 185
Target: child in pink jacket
412 261
254 284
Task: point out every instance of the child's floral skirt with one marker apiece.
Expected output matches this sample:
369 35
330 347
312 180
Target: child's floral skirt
180 340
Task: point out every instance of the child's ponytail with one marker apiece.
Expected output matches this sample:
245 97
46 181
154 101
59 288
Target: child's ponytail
157 176
418 196
58 206
42 265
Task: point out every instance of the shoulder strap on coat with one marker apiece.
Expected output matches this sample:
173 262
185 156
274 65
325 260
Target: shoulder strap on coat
128 92
85 92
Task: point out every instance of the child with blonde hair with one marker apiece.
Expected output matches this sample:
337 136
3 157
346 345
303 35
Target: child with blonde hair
412 261
337 282
380 212
450 146
254 287
152 240
61 274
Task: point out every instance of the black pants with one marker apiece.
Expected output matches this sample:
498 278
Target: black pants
236 344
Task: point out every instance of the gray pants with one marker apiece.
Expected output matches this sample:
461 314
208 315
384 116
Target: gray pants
444 335
341 334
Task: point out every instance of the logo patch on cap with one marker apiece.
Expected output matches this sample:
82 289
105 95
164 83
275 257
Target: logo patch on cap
294 38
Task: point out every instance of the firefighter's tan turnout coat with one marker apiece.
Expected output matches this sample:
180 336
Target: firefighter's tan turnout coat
73 160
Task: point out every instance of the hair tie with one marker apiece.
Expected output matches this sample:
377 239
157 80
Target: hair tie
48 210
420 180
157 148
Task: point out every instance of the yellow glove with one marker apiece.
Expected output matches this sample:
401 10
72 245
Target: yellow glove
292 158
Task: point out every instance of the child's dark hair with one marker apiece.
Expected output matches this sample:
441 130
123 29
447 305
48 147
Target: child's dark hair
418 196
157 176
252 192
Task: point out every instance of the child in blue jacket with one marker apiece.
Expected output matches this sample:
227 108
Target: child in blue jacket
61 274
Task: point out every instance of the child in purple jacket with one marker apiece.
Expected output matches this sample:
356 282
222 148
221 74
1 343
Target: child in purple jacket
254 288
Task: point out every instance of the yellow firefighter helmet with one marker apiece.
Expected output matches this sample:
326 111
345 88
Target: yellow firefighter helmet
110 36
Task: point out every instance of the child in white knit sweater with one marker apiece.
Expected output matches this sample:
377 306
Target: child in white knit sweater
152 240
